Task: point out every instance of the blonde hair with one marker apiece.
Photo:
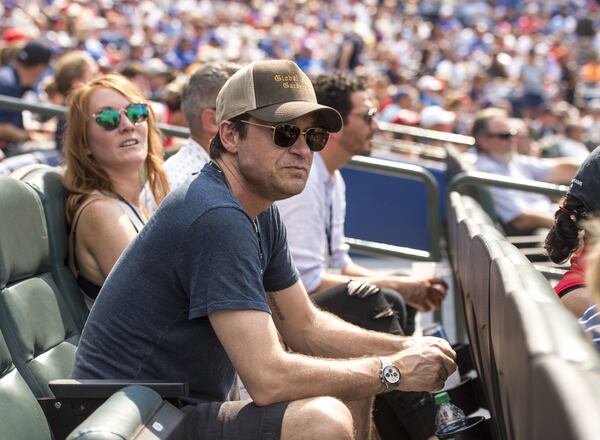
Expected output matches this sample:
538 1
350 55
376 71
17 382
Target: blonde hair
70 68
82 174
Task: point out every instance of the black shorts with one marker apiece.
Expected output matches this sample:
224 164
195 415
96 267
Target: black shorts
234 420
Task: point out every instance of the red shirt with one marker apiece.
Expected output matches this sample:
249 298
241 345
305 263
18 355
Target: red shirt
575 276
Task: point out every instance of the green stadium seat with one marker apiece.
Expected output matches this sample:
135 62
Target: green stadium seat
36 319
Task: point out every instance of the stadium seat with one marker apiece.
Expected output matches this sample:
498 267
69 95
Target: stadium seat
535 325
134 412
36 319
484 249
556 412
20 415
140 413
47 181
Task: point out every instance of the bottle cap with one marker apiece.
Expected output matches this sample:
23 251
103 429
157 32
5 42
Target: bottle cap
442 398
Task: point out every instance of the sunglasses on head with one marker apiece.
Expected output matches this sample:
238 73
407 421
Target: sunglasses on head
286 135
504 136
368 116
110 118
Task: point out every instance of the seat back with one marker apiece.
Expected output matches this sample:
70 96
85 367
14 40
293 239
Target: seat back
47 181
456 164
535 325
36 319
20 415
556 413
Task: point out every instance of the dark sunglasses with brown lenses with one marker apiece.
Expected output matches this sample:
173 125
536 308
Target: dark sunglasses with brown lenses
286 135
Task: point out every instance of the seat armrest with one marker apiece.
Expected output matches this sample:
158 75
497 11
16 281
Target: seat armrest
132 413
104 388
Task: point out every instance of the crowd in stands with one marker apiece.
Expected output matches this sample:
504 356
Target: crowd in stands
519 76
430 63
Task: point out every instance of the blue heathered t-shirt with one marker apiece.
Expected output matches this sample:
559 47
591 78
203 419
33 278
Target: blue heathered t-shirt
198 254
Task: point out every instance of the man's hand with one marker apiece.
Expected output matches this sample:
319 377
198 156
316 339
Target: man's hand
422 294
425 365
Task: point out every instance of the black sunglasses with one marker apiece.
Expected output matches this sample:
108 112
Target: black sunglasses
504 136
286 135
110 118
368 116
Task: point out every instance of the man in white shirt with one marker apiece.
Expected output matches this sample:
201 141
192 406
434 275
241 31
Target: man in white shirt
315 218
198 103
518 211
572 145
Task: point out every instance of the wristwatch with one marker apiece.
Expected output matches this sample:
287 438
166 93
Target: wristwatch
389 375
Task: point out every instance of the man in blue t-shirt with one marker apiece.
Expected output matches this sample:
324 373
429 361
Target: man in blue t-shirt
204 289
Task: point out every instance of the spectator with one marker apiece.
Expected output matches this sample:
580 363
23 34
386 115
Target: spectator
563 240
572 144
15 79
403 98
532 77
199 98
436 118
72 70
519 212
215 263
317 243
590 320
111 142
136 73
524 142
314 222
173 115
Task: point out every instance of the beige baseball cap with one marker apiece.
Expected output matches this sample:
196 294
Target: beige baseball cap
273 91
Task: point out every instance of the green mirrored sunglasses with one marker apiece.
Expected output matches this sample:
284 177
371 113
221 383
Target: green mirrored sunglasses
110 118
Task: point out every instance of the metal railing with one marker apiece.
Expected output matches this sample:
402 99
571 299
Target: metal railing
10 103
425 133
379 166
478 178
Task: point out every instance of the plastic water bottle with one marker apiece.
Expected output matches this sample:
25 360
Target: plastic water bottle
449 417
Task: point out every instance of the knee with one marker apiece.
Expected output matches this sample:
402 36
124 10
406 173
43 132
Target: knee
328 418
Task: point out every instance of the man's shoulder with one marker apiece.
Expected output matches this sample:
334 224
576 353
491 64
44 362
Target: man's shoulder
8 80
198 195
190 159
487 164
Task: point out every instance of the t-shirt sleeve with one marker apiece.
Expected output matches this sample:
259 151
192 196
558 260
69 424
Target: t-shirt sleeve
220 265
280 272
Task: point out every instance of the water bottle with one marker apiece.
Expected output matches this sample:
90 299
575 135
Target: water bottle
449 417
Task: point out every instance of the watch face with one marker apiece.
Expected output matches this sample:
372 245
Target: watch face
391 374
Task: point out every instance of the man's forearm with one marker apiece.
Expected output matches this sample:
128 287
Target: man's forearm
332 337
299 376
563 171
351 271
532 220
11 133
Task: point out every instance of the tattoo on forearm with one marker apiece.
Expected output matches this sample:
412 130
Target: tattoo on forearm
274 306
